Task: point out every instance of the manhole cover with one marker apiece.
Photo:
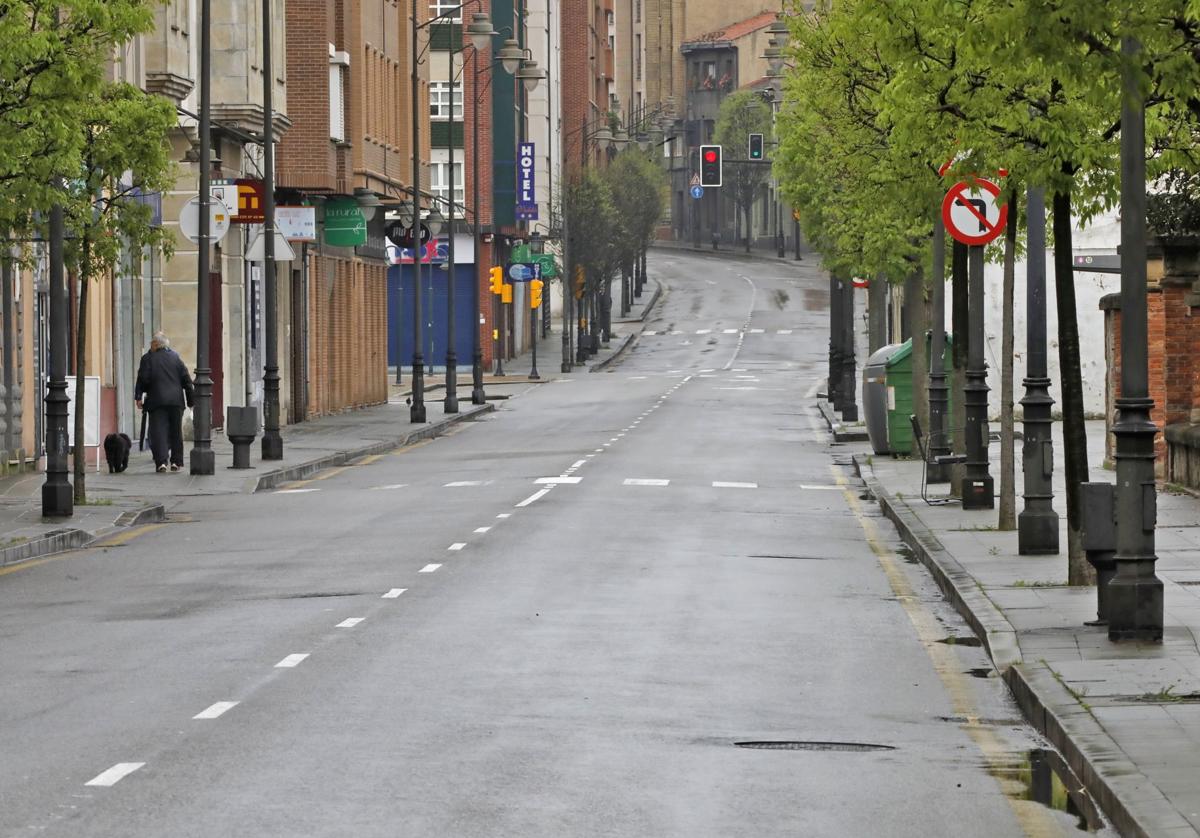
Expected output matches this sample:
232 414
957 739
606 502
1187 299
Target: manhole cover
796 745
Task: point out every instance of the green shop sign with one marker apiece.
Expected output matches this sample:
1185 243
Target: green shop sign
344 223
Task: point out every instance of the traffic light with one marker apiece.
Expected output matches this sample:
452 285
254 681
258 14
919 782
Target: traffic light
506 293
756 146
710 165
535 293
496 275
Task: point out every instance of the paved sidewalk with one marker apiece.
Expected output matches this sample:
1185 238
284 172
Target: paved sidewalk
141 495
1126 716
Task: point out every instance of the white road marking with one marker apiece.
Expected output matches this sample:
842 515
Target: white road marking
599 451
645 481
458 545
703 331
460 483
783 331
737 388
350 622
115 774
295 491
707 370
504 515
292 660
649 332
216 711
540 493
637 378
730 331
554 481
757 331
482 529
388 486
821 488
620 435
394 593
429 568
720 484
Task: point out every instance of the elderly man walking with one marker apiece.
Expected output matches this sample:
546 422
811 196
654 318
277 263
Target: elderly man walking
164 388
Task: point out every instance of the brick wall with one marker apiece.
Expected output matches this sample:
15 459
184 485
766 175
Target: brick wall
305 156
477 105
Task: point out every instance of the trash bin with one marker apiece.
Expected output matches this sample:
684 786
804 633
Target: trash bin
899 383
875 397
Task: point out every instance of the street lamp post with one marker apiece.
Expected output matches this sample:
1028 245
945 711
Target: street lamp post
978 487
938 389
849 388
417 408
272 441
1135 593
203 459
58 498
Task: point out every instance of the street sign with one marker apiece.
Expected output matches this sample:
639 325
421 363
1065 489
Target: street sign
402 236
524 271
697 191
218 220
972 212
257 251
695 180
298 224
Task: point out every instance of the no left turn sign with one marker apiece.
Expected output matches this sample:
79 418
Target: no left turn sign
972 212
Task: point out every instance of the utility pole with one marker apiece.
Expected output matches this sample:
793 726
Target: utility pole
939 402
417 408
833 386
272 442
849 388
58 499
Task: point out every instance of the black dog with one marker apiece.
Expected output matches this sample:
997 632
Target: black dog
116 451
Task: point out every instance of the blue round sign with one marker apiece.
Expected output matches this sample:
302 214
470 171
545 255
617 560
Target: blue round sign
697 191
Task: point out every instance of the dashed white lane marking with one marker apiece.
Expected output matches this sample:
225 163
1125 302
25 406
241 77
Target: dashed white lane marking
482 529
292 661
821 488
554 481
721 484
461 483
649 332
757 331
703 331
115 774
350 622
458 545
295 491
620 435
504 515
216 711
645 481
730 331
394 593
388 486
707 371
598 451
540 493
783 331
578 463
429 568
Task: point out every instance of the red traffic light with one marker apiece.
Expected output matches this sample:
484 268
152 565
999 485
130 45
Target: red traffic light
710 157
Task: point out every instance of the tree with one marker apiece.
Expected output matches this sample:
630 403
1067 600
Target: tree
591 222
638 188
742 113
126 155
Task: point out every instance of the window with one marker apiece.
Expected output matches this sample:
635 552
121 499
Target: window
612 41
440 100
441 7
637 11
637 57
440 185
338 62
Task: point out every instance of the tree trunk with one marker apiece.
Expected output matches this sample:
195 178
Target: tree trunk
1079 572
1008 468
80 450
746 213
958 384
918 324
877 314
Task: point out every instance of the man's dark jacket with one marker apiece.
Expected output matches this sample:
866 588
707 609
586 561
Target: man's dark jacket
163 380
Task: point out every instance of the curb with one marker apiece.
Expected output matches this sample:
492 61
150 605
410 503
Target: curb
60 541
666 247
985 619
633 336
840 432
301 470
1126 796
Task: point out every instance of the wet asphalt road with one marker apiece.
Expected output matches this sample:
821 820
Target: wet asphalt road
435 643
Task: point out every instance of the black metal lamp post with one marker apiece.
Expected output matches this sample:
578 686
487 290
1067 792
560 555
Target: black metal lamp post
58 497
272 441
978 488
1135 600
849 387
833 383
203 459
1037 525
939 400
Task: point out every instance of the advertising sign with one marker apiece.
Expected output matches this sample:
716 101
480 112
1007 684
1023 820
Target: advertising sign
297 224
344 223
527 209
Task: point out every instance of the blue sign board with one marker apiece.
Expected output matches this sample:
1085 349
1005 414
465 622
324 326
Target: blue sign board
524 271
527 209
697 191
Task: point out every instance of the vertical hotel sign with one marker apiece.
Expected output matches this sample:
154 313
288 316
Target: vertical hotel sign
527 209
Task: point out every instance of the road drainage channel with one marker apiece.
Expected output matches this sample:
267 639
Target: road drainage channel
800 745
1044 777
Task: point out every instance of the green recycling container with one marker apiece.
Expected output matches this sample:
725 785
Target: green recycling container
899 383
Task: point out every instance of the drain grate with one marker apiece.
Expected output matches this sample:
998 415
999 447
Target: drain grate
797 745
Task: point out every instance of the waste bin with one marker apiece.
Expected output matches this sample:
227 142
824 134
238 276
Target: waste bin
875 397
899 383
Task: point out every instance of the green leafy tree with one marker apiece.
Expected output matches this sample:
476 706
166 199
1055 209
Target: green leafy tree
638 187
742 113
591 233
125 157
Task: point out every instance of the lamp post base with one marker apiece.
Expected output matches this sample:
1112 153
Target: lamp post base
1135 602
272 445
1037 531
202 461
58 499
978 493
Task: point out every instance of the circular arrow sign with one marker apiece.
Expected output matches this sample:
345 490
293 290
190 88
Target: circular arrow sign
218 220
972 212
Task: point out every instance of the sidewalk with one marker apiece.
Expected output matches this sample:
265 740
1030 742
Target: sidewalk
1126 716
141 495
739 252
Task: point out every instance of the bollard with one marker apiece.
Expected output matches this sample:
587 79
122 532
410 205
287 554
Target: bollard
1099 537
241 426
